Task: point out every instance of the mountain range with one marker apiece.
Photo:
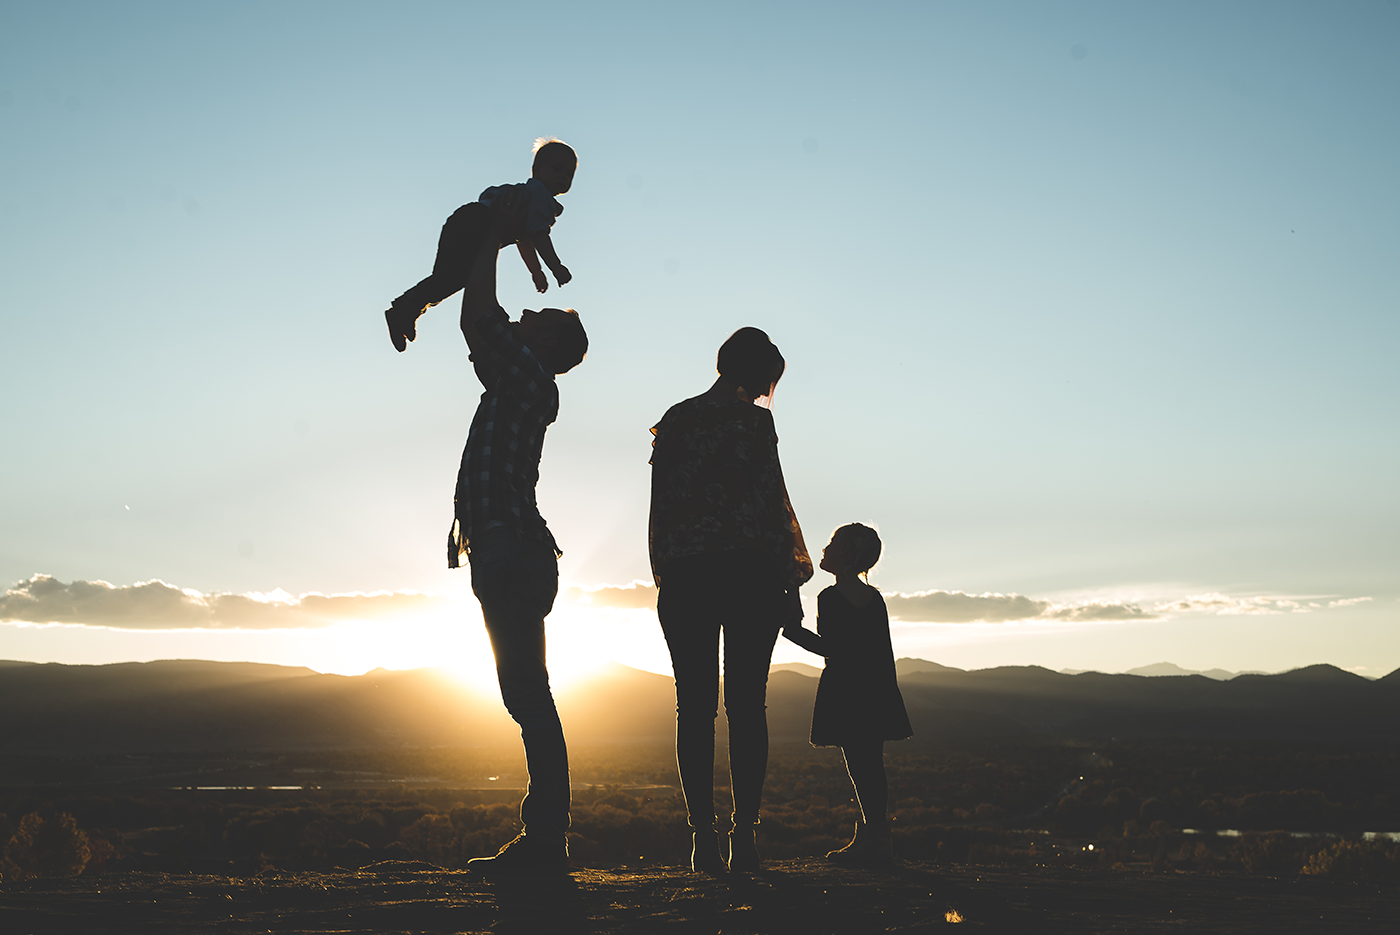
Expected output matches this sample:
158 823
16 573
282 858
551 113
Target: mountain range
197 705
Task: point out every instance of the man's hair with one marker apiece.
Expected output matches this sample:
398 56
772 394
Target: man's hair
865 545
751 360
572 342
549 147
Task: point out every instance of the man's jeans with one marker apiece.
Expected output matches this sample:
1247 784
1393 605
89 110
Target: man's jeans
516 581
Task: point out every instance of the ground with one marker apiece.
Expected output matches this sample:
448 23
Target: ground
801 896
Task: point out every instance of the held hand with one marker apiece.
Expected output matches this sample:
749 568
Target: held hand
562 274
541 280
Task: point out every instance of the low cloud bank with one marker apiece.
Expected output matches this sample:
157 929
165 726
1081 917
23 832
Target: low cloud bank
923 607
155 605
960 607
1226 605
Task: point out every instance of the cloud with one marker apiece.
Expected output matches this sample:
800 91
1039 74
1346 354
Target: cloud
1098 610
155 605
637 595
923 607
1229 606
960 607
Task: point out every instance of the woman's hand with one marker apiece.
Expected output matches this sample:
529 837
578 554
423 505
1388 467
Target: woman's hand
792 609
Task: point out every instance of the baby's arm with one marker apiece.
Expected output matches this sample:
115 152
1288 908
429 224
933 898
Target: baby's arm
532 262
546 248
804 637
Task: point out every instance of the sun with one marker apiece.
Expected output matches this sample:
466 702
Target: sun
452 637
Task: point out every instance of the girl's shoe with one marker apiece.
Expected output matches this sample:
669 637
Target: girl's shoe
704 854
743 851
871 845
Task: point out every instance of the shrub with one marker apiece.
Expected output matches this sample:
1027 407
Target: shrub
1274 852
433 839
100 852
52 848
1355 859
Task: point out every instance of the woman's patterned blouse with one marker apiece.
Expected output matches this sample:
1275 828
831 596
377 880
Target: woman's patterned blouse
716 486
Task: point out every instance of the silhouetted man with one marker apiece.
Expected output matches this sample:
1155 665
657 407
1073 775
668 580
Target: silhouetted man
513 556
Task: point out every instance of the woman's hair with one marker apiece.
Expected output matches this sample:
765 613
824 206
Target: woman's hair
752 361
864 545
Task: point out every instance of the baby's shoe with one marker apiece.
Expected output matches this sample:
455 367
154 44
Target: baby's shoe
403 324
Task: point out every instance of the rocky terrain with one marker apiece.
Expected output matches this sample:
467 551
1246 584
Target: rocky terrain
799 896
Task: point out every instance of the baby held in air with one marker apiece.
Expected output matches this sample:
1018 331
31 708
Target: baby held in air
552 174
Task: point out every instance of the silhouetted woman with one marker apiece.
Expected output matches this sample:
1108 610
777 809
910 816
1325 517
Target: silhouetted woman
728 555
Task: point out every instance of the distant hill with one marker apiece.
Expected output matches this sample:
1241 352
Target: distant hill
196 705
801 668
1171 668
903 666
908 666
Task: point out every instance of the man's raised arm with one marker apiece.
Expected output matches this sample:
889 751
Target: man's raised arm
479 295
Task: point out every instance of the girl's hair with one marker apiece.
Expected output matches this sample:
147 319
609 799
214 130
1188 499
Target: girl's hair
751 360
865 545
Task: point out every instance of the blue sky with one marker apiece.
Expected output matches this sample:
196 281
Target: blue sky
1091 303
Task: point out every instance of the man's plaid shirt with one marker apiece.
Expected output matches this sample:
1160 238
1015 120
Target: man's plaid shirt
501 463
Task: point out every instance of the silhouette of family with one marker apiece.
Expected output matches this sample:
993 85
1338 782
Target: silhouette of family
727 551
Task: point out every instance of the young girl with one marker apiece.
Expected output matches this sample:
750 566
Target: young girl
858 704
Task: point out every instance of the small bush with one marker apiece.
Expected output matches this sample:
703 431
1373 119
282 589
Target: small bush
1273 852
52 848
1355 859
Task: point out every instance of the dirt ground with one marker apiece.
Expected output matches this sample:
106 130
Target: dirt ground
810 897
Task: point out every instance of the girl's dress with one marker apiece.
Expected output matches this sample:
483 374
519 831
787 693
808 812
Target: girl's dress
858 697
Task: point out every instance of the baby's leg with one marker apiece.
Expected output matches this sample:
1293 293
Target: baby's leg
458 245
865 761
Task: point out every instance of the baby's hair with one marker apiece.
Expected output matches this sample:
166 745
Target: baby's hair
865 546
549 147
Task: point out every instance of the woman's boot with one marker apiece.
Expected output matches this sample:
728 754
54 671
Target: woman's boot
743 851
704 853
870 845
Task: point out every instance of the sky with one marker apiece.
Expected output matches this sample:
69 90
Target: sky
1090 308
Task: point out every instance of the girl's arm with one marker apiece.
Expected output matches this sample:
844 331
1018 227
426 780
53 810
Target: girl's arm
526 246
805 638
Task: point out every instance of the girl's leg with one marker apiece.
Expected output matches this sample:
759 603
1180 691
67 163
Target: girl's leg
866 764
865 761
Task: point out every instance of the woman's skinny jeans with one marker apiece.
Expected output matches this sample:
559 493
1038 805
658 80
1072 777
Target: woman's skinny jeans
700 596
